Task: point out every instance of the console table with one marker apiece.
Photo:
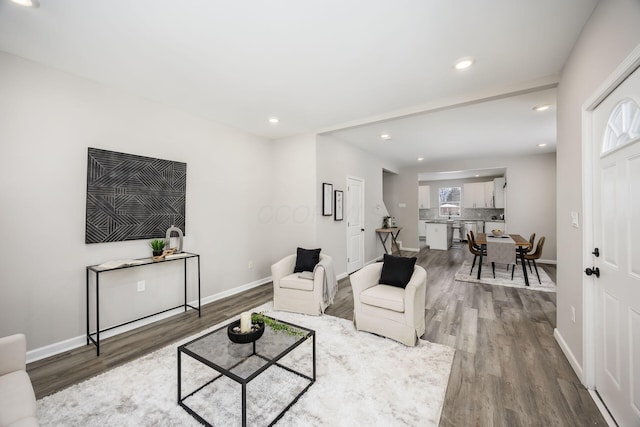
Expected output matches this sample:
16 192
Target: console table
98 270
386 232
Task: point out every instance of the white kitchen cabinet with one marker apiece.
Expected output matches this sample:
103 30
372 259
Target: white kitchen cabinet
488 194
499 192
470 194
439 235
478 195
424 197
422 228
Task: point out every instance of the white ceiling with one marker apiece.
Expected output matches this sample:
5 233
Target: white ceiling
321 65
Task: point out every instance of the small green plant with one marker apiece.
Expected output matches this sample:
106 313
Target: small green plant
276 325
157 244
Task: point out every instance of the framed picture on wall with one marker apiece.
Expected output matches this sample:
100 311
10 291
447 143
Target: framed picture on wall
338 205
327 196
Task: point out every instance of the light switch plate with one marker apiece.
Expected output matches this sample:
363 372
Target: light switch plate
402 205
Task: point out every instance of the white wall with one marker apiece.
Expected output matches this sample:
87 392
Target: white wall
292 214
531 196
336 161
612 32
47 121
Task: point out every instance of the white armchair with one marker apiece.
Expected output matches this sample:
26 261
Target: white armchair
17 400
297 294
389 311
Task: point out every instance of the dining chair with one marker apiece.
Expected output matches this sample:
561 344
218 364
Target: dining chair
474 249
531 247
536 255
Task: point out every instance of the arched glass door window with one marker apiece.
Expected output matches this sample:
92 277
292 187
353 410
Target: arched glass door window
623 125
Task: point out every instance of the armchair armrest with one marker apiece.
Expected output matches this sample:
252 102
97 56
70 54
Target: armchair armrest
415 293
13 353
365 278
282 268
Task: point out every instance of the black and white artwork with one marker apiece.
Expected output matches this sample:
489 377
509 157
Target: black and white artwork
327 196
133 197
338 209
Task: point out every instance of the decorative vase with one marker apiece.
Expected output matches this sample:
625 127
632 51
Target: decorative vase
246 337
157 253
173 229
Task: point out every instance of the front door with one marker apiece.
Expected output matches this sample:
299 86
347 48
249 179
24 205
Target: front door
355 224
616 215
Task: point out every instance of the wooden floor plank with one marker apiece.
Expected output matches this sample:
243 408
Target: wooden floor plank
508 369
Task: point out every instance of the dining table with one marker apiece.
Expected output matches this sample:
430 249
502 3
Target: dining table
522 245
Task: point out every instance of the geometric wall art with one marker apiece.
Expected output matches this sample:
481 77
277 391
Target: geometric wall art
133 197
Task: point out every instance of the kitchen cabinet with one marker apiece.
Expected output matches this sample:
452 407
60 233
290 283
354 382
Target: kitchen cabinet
477 194
488 194
424 197
439 235
499 192
422 228
470 192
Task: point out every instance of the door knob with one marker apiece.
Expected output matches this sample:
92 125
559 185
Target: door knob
594 270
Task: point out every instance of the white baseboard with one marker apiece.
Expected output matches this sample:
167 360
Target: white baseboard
79 341
402 248
547 261
603 409
568 353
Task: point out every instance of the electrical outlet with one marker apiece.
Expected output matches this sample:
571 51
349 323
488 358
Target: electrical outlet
573 314
250 265
141 286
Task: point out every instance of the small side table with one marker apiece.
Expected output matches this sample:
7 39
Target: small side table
393 231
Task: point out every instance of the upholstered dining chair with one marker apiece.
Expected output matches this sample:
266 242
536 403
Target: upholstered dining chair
392 311
532 239
475 250
529 257
299 292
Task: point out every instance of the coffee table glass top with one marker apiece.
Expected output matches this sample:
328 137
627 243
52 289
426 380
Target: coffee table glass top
218 351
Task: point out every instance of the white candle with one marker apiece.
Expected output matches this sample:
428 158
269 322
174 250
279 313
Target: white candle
245 322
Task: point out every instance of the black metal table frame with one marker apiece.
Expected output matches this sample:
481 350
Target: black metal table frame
244 381
93 268
393 238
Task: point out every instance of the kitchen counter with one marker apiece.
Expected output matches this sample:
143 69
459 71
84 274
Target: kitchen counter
439 234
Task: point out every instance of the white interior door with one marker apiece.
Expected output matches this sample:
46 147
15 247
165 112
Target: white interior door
616 215
355 224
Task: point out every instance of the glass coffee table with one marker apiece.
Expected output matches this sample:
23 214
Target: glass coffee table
243 363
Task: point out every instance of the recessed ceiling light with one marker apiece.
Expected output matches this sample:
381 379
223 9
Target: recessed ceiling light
273 120
385 136
463 63
420 159
542 145
27 3
477 176
544 107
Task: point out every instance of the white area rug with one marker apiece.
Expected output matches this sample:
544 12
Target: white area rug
362 379
503 277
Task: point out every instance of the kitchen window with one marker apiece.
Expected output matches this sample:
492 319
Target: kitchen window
450 201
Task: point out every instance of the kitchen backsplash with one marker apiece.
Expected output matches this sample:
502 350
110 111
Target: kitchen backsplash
476 213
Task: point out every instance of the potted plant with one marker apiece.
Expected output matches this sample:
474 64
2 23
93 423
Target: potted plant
276 325
157 245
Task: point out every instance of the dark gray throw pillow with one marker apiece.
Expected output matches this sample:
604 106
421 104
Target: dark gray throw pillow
397 270
306 259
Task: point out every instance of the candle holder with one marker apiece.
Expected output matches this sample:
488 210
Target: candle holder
245 337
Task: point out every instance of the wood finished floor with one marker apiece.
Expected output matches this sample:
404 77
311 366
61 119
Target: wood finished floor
508 369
